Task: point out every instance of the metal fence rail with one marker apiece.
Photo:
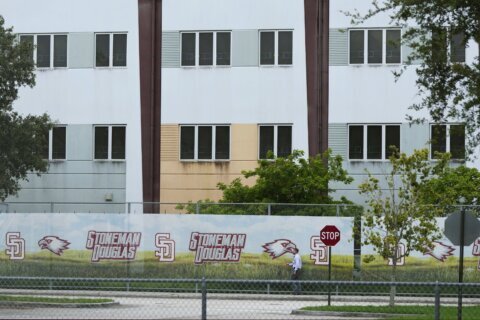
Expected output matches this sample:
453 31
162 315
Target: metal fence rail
233 299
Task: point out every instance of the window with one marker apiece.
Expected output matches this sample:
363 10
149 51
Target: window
109 142
214 48
111 50
383 46
199 142
56 148
448 138
48 51
455 46
372 142
276 47
275 138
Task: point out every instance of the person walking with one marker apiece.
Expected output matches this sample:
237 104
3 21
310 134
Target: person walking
296 265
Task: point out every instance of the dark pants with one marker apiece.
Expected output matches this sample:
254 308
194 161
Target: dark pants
296 286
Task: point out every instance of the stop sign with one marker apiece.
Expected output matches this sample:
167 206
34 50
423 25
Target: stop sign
330 235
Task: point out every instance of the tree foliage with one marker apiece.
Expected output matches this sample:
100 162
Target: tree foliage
450 185
395 213
22 138
292 179
449 91
284 180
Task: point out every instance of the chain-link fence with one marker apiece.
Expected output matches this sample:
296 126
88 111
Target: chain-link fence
115 298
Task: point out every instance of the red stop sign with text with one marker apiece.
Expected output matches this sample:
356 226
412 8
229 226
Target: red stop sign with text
330 235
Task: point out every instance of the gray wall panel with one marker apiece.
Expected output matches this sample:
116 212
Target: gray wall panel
338 54
79 142
75 181
245 48
171 49
338 139
414 136
91 167
406 51
81 50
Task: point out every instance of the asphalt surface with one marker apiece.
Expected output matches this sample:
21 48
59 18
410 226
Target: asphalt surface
136 305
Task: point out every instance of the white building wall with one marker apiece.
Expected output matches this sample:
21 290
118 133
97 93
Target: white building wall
86 96
270 94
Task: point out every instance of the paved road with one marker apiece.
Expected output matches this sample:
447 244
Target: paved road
168 308
188 306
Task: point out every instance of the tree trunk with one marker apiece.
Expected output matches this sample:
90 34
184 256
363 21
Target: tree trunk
393 278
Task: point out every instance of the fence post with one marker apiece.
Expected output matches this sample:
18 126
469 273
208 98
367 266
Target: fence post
269 209
197 208
129 206
338 210
204 299
437 301
51 207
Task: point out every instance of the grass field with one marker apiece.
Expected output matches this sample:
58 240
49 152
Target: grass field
416 312
76 263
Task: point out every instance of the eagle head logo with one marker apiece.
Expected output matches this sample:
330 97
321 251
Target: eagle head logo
440 251
54 244
279 247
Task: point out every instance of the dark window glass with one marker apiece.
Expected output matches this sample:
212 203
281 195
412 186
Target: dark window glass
284 141
60 51
457 45
102 56
392 140
439 45
267 47
204 142
43 51
187 143
101 143
357 46
375 46
266 141
45 145
355 144
119 50
285 47
223 48
439 139
188 49
374 142
206 49
29 41
457 141
393 46
222 142
118 142
58 142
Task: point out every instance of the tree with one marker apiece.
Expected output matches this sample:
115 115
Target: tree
22 138
451 184
397 215
449 90
292 179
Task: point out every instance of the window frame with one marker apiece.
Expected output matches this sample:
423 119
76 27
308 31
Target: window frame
110 52
109 142
384 47
214 49
52 48
447 140
50 145
276 42
275 138
365 140
213 142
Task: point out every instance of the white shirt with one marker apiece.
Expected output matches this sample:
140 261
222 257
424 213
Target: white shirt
297 262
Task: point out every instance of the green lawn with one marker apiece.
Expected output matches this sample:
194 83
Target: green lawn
416 312
10 298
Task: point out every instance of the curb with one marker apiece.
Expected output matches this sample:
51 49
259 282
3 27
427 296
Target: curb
340 314
27 304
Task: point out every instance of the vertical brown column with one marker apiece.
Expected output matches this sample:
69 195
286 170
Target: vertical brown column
316 41
150 45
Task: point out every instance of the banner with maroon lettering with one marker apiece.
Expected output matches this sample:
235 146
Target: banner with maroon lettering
215 246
